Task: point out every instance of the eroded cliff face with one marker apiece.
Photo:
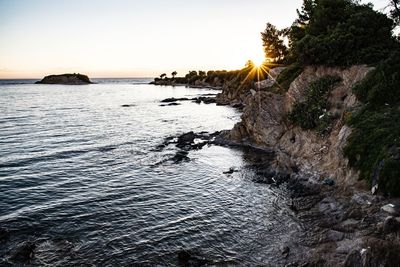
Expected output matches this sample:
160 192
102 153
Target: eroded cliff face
264 123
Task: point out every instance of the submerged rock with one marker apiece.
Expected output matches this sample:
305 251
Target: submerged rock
231 170
186 259
180 156
128 106
186 139
4 235
24 252
173 99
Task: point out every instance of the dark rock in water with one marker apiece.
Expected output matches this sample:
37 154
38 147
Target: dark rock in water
180 156
174 104
4 235
197 100
173 99
208 100
237 105
285 251
328 181
186 139
67 79
353 259
301 189
198 145
205 100
24 252
188 260
127 106
231 170
391 225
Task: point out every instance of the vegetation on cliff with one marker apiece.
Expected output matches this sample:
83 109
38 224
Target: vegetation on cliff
374 146
313 112
320 37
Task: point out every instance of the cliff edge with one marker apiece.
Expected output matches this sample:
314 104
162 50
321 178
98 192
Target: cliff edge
265 123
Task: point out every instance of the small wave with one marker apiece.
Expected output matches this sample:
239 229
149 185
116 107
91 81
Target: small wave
57 155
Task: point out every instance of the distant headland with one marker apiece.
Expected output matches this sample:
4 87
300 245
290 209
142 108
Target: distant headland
67 78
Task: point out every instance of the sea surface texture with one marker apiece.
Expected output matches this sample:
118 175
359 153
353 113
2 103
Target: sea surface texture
82 180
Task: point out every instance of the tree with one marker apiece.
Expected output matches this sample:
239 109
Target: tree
174 73
163 75
360 35
306 12
249 64
202 73
191 74
274 47
395 12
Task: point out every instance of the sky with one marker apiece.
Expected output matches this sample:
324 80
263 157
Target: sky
132 38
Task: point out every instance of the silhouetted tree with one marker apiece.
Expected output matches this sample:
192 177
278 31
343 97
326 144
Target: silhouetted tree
163 75
274 47
395 12
249 64
174 73
306 12
202 73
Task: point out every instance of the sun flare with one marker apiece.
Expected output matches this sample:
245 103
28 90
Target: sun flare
258 62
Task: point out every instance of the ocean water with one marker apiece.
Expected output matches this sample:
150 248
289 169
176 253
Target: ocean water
81 179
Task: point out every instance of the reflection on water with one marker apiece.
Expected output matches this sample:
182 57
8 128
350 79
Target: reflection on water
78 179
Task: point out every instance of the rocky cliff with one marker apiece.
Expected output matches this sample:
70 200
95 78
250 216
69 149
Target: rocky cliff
68 79
265 124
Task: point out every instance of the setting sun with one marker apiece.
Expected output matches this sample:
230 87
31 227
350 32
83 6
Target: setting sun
258 62
258 57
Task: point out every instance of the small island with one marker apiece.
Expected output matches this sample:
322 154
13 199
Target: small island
67 79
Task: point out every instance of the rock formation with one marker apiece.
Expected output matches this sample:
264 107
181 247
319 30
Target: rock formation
68 79
264 122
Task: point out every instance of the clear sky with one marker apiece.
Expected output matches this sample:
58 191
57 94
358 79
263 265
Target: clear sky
132 38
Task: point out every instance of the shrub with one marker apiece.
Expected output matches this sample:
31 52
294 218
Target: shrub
313 112
287 76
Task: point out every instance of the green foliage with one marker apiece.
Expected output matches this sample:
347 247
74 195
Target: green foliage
340 33
381 87
374 145
313 112
287 76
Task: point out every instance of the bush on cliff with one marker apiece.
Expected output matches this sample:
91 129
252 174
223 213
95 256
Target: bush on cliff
287 76
313 112
374 145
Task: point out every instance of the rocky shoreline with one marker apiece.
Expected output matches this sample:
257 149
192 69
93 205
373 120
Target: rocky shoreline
349 226
346 226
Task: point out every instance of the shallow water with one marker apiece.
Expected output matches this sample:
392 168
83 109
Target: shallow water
79 176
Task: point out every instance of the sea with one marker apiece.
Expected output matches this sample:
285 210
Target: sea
82 182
